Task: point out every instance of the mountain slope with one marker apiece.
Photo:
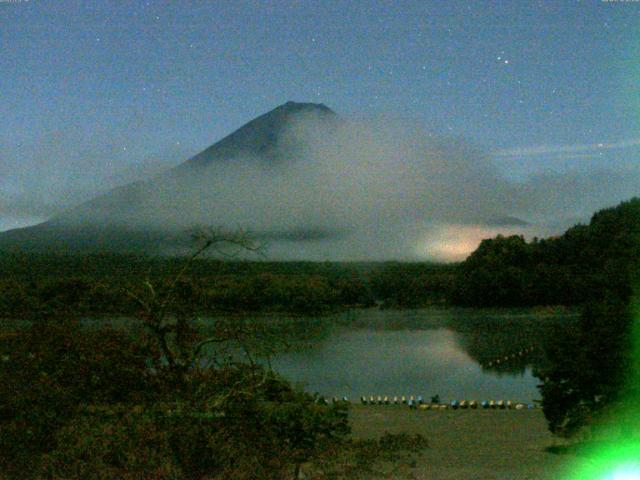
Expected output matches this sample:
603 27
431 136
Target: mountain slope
147 214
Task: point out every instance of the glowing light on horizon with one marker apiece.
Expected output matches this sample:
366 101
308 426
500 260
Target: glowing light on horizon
456 242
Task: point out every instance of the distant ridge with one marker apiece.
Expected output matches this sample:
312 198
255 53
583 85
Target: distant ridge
507 222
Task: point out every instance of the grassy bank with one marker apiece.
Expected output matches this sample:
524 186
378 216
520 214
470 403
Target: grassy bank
469 444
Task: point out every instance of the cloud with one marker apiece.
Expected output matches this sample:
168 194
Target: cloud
567 151
66 167
373 187
359 190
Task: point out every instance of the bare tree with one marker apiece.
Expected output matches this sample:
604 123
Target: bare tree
172 328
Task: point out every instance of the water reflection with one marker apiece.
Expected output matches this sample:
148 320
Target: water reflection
424 352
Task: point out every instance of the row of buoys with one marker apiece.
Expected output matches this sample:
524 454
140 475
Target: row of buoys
389 400
419 403
511 356
454 404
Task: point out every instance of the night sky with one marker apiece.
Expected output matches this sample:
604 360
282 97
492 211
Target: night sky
97 93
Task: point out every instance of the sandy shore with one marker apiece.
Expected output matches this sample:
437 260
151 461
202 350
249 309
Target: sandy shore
470 444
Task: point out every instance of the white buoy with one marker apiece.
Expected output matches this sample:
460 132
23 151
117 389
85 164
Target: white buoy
395 400
500 404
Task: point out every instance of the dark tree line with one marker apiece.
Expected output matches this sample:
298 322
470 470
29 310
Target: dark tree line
571 269
591 266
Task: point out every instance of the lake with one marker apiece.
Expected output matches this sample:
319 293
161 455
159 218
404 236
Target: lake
454 354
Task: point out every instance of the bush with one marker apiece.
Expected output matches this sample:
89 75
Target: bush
51 368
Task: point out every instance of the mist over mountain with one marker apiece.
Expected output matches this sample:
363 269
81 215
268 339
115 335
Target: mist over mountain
315 186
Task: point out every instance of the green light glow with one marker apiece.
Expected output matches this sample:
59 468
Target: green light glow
625 472
619 457
617 461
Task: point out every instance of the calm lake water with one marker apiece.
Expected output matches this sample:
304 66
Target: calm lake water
424 352
453 353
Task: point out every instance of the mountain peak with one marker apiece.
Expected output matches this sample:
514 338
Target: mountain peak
260 136
291 106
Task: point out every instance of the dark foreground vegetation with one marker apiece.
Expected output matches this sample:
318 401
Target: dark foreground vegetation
147 403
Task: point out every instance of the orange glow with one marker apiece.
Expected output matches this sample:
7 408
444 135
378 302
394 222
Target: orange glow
456 242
